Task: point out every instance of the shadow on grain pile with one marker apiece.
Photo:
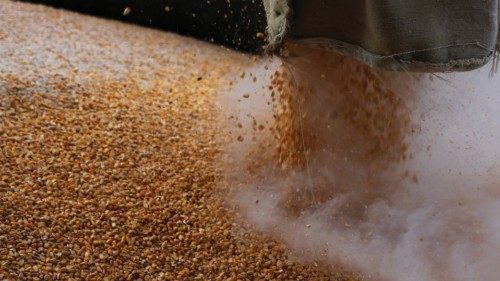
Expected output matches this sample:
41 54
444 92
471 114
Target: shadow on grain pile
392 175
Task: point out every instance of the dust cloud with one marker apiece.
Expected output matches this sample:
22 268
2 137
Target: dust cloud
391 175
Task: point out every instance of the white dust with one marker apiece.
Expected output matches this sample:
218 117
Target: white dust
433 216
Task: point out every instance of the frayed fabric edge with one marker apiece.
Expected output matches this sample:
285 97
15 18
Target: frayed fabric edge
278 14
392 63
496 58
496 55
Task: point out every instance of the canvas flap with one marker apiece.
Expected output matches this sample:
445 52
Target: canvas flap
425 35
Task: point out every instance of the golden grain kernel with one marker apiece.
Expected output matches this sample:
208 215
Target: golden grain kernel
109 157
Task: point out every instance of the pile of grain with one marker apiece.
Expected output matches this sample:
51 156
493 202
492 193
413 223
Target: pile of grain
108 140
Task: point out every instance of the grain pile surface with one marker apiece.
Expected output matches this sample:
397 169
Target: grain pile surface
109 141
